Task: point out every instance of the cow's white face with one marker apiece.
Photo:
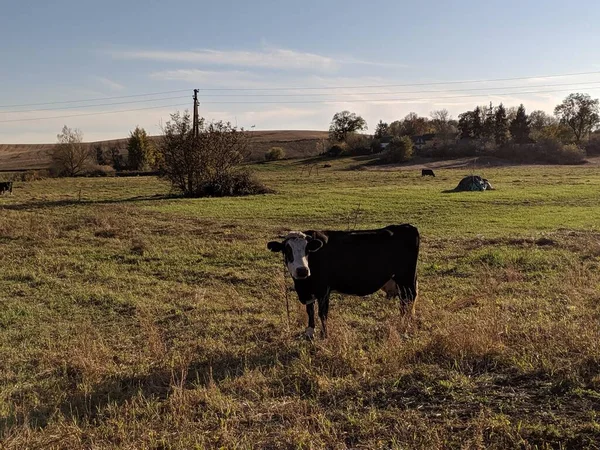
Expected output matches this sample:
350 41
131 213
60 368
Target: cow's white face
295 248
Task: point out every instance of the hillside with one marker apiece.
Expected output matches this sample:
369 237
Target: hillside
296 143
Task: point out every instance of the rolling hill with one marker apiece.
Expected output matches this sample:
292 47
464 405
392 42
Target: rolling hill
296 143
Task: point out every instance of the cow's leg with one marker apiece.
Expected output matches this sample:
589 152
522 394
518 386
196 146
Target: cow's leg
323 312
310 310
407 292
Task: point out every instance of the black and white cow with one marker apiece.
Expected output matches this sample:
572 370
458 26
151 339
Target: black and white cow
6 186
351 262
425 172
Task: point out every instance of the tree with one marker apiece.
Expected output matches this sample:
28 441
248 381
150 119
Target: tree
345 123
140 150
488 126
381 130
400 149
500 126
414 125
580 113
116 159
443 125
520 126
70 157
478 119
465 125
100 156
207 164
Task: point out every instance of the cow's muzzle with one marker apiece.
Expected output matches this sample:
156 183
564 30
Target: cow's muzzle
301 273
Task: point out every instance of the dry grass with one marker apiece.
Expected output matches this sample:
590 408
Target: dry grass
133 321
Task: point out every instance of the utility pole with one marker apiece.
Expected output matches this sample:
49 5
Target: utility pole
196 122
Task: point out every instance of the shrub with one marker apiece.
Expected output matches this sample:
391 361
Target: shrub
376 146
399 150
592 147
338 150
358 144
274 154
100 171
238 183
206 163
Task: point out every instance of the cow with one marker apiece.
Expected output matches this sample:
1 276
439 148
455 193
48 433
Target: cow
6 186
351 262
425 172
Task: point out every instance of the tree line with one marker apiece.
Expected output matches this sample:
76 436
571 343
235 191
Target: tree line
495 129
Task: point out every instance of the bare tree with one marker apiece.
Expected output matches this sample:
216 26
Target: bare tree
443 126
70 157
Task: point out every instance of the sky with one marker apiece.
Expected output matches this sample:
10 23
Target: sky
107 67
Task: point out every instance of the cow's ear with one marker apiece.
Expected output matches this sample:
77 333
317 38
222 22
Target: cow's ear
275 246
313 245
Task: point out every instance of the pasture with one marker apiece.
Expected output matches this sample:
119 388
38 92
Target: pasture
131 319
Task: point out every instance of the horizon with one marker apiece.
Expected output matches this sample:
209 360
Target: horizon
273 66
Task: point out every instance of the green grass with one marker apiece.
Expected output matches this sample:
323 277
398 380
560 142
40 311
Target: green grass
131 319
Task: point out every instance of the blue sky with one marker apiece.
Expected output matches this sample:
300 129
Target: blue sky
78 50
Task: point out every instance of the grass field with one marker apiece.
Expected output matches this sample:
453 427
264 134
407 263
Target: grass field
131 319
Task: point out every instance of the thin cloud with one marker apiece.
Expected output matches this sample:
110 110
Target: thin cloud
110 84
267 59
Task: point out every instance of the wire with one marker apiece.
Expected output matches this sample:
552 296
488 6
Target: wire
490 80
384 100
94 113
92 106
402 92
93 99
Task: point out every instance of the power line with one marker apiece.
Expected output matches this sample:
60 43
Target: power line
93 99
94 113
489 80
408 99
292 88
93 106
403 92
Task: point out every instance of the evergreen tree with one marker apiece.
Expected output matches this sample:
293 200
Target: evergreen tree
465 124
141 152
477 123
520 127
500 126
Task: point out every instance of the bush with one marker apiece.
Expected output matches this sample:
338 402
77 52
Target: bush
207 163
592 147
274 154
33 175
358 144
238 183
100 171
336 150
547 150
399 150
376 146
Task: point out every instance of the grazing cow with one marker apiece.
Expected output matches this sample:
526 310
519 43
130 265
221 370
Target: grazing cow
425 172
351 262
6 186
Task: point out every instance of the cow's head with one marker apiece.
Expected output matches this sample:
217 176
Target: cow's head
295 248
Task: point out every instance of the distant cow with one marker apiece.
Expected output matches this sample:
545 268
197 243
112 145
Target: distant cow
351 262
6 186
426 172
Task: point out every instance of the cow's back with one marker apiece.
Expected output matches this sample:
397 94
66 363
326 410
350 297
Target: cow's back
361 262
